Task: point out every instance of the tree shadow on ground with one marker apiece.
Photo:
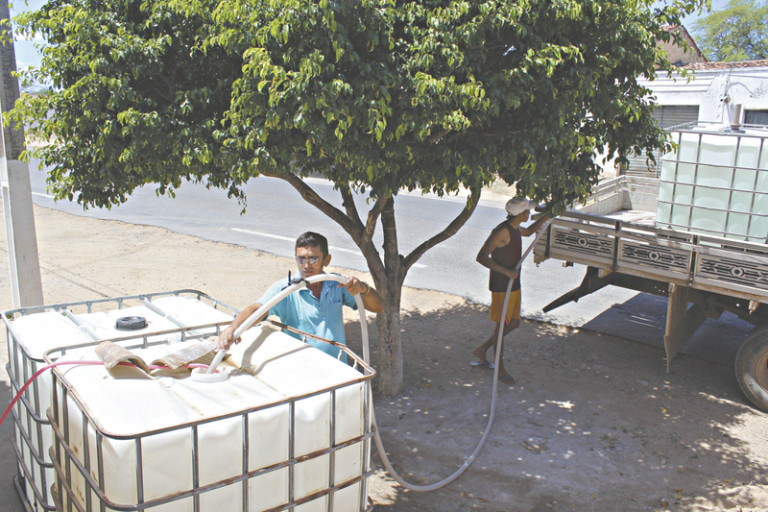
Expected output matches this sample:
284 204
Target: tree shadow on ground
594 423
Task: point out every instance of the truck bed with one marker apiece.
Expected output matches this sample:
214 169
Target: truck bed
615 232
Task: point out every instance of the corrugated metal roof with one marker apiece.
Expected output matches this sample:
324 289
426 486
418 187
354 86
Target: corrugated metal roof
744 64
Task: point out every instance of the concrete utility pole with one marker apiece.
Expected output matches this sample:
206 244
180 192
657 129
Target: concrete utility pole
26 285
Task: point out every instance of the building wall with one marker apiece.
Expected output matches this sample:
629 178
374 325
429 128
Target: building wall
748 88
713 89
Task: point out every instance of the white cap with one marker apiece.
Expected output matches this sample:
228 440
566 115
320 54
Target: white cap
518 205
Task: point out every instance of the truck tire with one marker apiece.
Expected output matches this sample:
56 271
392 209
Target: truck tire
751 367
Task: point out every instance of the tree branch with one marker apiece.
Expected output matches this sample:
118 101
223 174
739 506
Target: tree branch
312 197
373 216
436 137
352 225
348 201
392 260
372 256
449 231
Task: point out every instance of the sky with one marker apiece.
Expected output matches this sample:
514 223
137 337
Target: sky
27 54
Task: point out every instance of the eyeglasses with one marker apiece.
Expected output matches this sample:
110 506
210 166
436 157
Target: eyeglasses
312 260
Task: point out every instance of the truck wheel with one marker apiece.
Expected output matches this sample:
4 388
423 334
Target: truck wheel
751 367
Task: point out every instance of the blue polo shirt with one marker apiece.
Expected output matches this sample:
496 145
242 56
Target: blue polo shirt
322 317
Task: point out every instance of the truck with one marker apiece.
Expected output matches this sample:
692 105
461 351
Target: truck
696 234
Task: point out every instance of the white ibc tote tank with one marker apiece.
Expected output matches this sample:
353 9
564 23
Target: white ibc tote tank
289 428
33 332
280 426
716 182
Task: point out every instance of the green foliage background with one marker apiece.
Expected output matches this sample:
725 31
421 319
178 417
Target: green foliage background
738 32
376 94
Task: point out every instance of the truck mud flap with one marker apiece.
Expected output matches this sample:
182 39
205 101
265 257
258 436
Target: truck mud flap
682 321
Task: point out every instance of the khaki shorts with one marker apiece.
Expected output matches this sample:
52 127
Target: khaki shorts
497 305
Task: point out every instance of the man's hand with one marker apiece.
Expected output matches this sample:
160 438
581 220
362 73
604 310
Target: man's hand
372 301
226 338
355 286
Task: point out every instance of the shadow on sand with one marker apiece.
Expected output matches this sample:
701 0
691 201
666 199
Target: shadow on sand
594 423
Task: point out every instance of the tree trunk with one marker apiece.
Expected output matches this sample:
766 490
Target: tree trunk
389 365
390 361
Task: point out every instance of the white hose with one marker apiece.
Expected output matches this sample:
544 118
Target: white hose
468 462
366 357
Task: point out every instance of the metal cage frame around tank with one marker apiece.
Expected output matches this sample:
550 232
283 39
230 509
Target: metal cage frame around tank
29 421
700 130
65 461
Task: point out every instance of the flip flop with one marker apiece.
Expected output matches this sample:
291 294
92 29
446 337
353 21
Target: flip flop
483 364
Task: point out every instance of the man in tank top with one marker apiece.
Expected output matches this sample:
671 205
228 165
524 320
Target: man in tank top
316 309
501 253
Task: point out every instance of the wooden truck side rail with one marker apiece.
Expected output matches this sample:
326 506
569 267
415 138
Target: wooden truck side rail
737 269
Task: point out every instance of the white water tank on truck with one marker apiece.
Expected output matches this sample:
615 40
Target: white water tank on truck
716 182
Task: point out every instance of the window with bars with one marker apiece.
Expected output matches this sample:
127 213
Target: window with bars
756 117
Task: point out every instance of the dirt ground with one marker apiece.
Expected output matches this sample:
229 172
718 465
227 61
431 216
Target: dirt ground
594 423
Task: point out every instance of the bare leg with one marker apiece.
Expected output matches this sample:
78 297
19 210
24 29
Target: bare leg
480 351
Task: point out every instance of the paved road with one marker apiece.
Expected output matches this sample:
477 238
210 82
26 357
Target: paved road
276 214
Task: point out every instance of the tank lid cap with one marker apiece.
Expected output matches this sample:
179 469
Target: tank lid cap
131 323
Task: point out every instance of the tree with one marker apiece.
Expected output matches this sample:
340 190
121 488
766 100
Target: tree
739 32
376 95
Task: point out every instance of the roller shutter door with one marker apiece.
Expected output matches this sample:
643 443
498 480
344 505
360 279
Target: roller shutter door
667 116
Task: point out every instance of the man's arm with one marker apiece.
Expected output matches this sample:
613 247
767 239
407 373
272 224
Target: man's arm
497 238
371 299
227 336
533 228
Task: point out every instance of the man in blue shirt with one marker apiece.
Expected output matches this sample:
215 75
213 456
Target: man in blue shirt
316 309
